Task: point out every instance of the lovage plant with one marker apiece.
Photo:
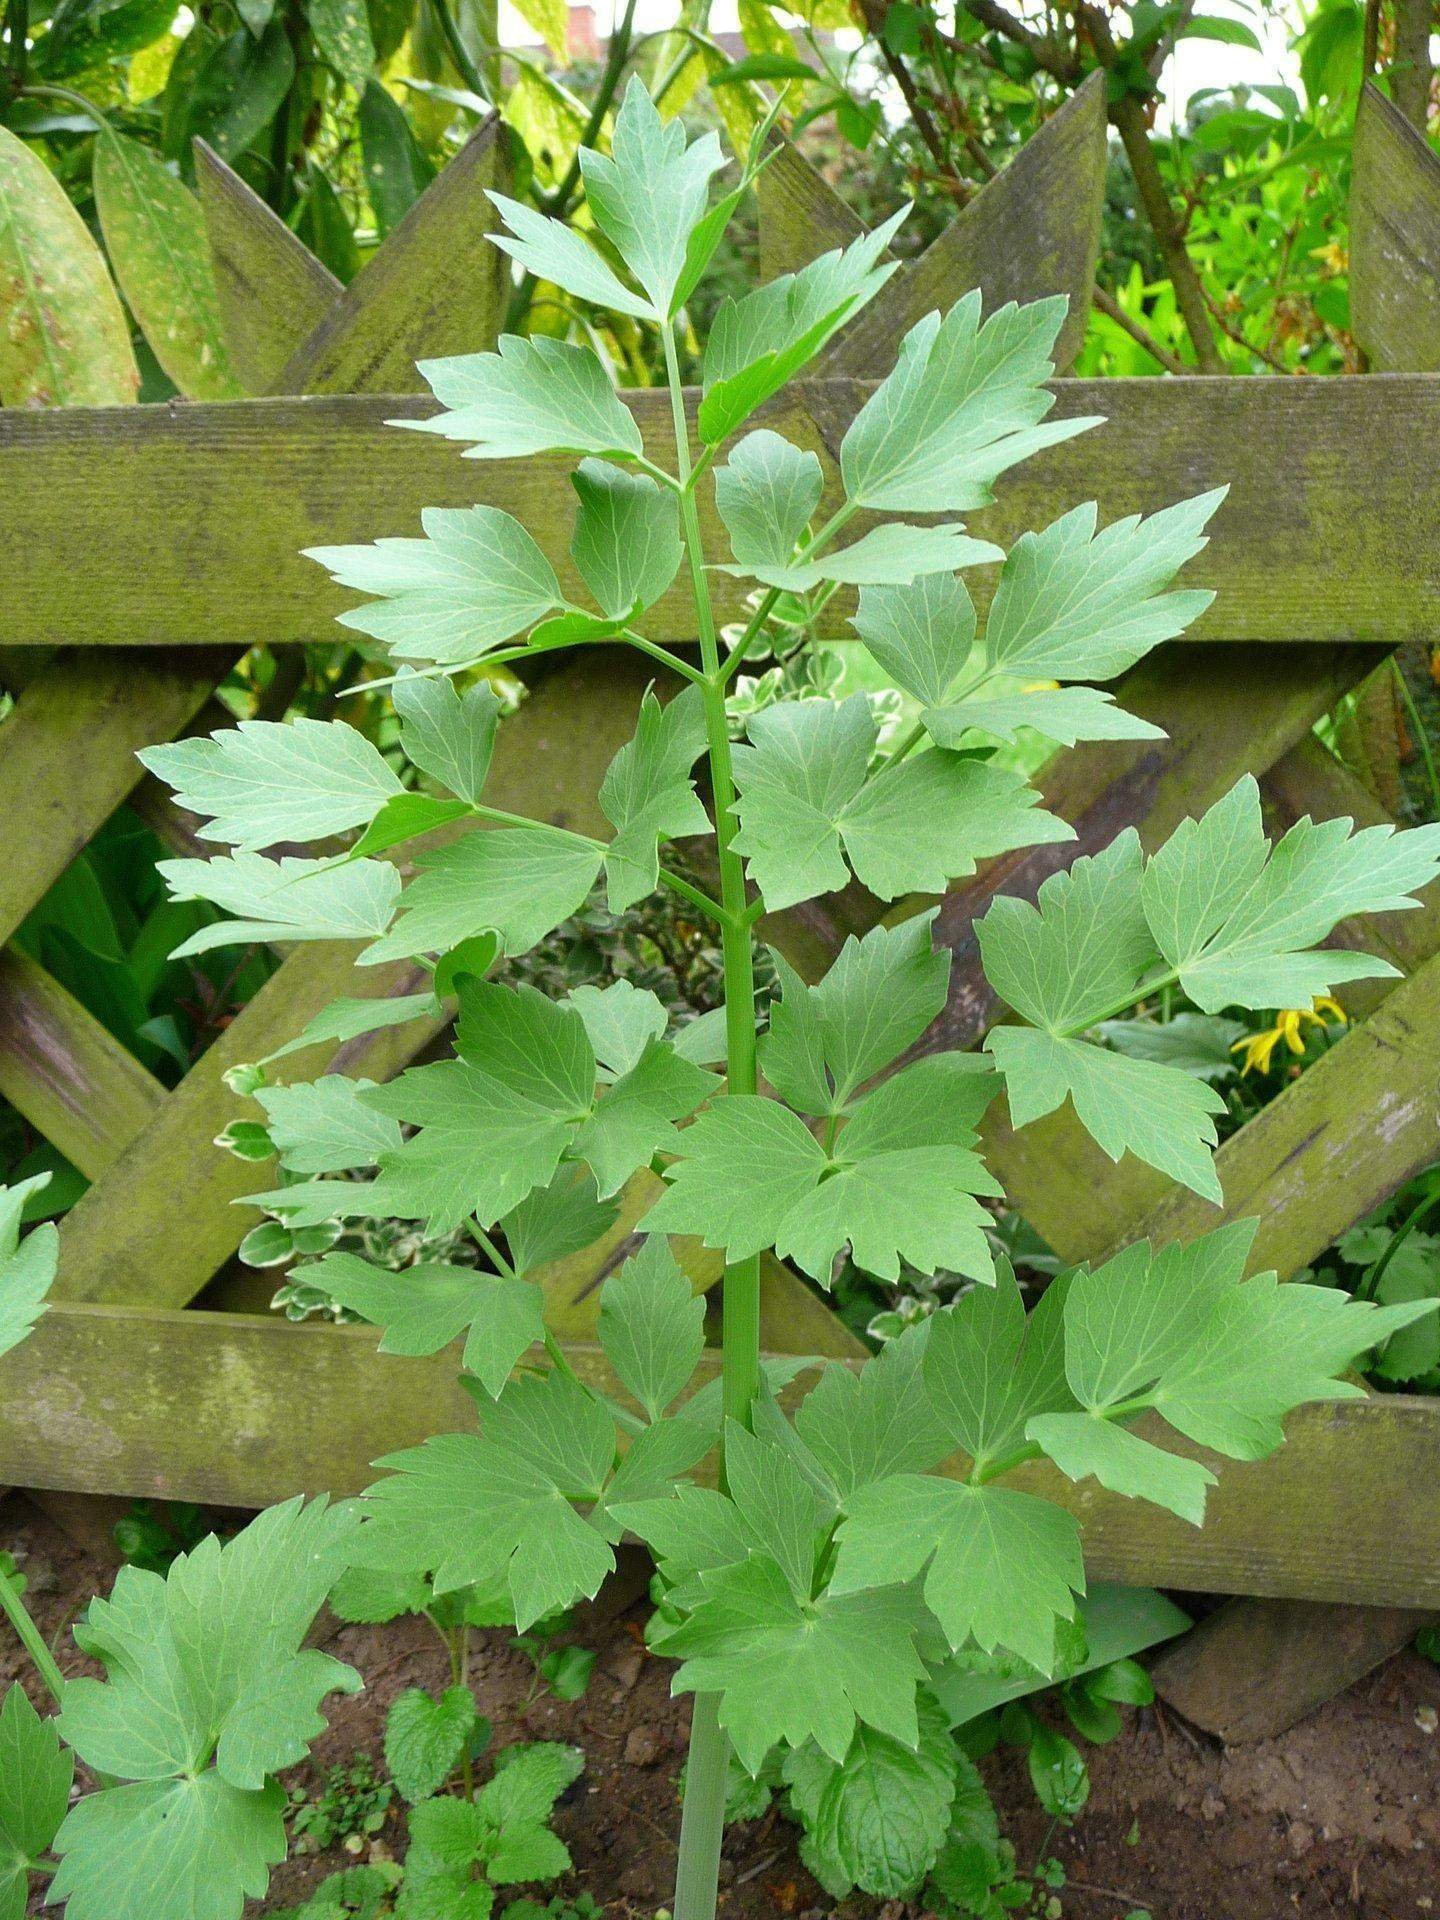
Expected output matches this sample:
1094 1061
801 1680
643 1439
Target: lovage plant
851 1548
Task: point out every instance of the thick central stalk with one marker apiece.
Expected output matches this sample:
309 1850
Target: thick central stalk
702 1822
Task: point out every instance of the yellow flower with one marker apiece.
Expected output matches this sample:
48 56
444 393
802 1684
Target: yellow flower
1290 1025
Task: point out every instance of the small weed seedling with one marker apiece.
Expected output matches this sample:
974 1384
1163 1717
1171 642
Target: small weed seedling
350 1807
860 1539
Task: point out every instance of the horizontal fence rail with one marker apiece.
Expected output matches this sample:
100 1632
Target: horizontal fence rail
168 525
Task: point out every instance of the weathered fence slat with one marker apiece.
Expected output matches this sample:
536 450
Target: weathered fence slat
67 754
70 1077
1032 231
1394 240
436 287
1322 473
242 1409
271 289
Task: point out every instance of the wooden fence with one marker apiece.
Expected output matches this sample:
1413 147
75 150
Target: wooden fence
141 549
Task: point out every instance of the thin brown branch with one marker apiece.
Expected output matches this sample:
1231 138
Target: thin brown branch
874 12
1055 61
1232 332
1112 309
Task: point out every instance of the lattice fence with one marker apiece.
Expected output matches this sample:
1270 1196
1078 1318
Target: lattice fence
142 549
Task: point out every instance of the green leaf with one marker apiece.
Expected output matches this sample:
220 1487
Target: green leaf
1003 1567
1062 714
35 1779
901 1180
425 1738
648 196
1058 1774
64 338
155 237
527 1853
532 396
804 795
1235 916
342 33
428 1305
964 403
370 1598
765 494
263 781
627 543
1268 1348
885 1810
85 37
864 1426
621 1020
897 1183
921 632
1064 962
1085 1444
635 1117
746 1163
326 1127
474 581
1139 1313
183 1849
761 340
555 1221
890 554
551 20
1163 1117
238 90
27 1267
1201 1044
552 251
652 1325
404 817
396 171
988 1370
794 1671
475 1508
878 997
528 1781
648 796
350 1019
655 1462
285 899
204 1664
516 882
493 1123
1076 604
447 734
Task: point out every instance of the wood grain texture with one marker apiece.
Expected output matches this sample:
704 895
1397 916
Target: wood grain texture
1255 1667
242 1410
1032 231
68 1075
1394 240
158 525
437 286
67 754
272 290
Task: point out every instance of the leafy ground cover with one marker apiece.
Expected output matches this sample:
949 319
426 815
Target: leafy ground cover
1188 1831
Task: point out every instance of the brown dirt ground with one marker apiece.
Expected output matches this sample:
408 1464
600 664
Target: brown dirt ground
1338 1817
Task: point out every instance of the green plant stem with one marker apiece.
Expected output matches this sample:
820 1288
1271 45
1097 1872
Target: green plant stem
1419 733
1370 1286
31 1638
703 1821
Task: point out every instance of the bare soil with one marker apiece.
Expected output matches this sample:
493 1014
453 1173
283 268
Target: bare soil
1338 1817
